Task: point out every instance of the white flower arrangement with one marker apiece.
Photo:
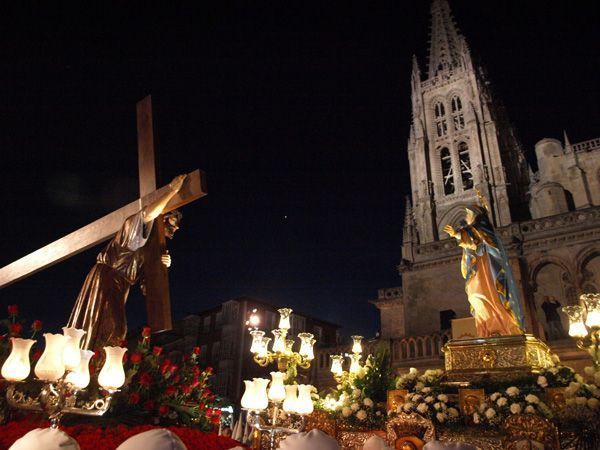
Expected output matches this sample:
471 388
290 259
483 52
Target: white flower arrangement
368 402
354 407
542 381
361 414
422 408
502 401
515 408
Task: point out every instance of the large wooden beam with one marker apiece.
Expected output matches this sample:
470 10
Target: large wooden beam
96 232
156 276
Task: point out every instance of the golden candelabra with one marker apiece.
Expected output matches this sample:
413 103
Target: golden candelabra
281 351
63 370
337 361
264 407
584 325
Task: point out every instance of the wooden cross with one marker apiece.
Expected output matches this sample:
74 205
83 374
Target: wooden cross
158 304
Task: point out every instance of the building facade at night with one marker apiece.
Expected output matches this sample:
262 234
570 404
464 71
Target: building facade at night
461 141
223 337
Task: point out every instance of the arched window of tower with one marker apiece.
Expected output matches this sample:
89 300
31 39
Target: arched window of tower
440 119
447 174
457 113
465 166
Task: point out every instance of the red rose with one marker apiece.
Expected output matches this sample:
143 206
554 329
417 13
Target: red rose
136 358
157 351
196 350
201 406
146 332
13 310
171 390
164 367
134 398
163 410
16 328
209 370
209 411
186 389
149 405
216 419
195 382
145 379
217 412
173 368
36 325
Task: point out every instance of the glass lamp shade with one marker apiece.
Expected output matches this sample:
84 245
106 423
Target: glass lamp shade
306 345
355 363
279 340
16 367
257 337
80 376
592 304
577 328
356 346
72 354
284 321
260 399
291 398
112 375
248 396
50 366
263 351
277 389
336 364
304 403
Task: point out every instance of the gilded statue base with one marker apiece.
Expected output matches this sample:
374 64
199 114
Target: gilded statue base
502 358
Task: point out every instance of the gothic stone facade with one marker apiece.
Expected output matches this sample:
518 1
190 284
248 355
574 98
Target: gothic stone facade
461 141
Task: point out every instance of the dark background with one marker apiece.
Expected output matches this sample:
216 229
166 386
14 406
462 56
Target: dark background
298 114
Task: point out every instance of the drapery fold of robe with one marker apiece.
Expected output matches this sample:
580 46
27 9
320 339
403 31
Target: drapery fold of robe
100 305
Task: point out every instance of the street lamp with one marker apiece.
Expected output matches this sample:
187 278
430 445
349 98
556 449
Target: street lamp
584 325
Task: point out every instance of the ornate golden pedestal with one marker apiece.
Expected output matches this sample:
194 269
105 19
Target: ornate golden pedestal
502 357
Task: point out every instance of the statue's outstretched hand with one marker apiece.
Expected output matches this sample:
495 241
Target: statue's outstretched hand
166 260
450 230
177 182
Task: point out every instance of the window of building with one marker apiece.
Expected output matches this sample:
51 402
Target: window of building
318 332
271 320
216 348
457 113
206 325
447 174
465 166
440 119
298 324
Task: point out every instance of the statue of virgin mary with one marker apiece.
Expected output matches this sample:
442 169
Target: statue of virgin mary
489 281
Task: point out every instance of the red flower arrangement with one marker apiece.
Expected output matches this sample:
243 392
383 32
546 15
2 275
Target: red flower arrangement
160 389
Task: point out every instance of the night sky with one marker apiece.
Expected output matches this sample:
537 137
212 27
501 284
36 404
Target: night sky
298 115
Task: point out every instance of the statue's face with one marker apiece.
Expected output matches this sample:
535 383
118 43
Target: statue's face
470 217
171 226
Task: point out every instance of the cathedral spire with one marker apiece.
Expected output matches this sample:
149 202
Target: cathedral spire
568 148
446 45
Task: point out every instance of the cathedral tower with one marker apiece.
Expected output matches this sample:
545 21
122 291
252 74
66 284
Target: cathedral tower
460 139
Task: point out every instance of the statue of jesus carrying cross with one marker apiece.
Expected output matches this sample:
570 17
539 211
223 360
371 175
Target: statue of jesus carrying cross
100 305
